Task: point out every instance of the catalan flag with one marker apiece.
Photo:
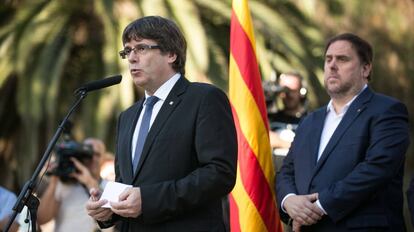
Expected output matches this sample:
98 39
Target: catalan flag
252 201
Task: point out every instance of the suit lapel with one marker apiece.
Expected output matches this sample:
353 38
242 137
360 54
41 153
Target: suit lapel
352 113
170 103
315 137
313 143
127 162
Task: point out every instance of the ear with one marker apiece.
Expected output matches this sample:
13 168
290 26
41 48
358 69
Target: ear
366 70
172 57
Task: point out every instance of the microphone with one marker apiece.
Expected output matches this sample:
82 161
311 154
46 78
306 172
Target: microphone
99 84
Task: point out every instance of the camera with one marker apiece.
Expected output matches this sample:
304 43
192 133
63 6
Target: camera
271 90
66 150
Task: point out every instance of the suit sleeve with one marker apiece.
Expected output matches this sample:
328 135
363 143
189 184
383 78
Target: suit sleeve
410 199
111 222
383 160
215 149
285 181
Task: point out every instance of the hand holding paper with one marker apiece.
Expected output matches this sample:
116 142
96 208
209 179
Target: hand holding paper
94 206
130 204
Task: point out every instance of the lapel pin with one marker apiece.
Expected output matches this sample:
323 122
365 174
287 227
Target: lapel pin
359 110
171 102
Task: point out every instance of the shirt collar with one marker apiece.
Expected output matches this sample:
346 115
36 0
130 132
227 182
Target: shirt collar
330 108
165 89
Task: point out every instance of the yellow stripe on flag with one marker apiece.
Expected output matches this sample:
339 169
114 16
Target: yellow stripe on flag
251 123
252 202
241 10
250 219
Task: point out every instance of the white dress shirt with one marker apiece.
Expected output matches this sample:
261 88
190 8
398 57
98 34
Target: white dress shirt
162 93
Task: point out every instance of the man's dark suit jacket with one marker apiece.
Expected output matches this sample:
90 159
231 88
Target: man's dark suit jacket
359 174
410 199
188 163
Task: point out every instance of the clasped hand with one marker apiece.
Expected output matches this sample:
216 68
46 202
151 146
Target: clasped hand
303 210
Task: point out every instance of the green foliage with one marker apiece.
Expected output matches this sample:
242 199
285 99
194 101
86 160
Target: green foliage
49 48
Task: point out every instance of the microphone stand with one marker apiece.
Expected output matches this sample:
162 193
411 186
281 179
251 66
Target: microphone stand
26 196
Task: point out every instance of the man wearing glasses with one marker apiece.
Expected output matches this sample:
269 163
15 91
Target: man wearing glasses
177 147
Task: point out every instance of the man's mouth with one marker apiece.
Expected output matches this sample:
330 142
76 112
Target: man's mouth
135 70
333 76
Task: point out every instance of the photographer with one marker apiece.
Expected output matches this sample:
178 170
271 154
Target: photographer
7 201
283 123
65 197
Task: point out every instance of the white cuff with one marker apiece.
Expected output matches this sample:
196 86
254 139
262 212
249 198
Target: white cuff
318 203
283 201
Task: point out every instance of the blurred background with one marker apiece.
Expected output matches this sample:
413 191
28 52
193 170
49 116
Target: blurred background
49 48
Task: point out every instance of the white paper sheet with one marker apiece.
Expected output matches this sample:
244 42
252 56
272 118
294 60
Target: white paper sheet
112 191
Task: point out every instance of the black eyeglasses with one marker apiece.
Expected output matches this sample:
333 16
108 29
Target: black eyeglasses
140 49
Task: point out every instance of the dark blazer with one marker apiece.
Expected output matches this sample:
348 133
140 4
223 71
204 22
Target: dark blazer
410 199
188 163
359 175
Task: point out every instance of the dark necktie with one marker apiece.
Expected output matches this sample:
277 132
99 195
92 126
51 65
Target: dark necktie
143 130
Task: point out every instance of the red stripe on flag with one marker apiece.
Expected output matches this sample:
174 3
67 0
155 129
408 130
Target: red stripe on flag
234 216
254 180
245 57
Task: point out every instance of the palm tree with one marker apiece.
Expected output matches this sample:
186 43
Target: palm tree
49 48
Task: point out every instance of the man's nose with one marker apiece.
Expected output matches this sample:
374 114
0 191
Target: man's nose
332 64
133 57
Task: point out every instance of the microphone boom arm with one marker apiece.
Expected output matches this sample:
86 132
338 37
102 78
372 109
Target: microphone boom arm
26 196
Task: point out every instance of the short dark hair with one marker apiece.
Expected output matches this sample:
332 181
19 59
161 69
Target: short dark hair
362 47
165 32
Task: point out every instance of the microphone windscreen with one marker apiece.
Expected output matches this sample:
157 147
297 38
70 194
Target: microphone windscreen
99 84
